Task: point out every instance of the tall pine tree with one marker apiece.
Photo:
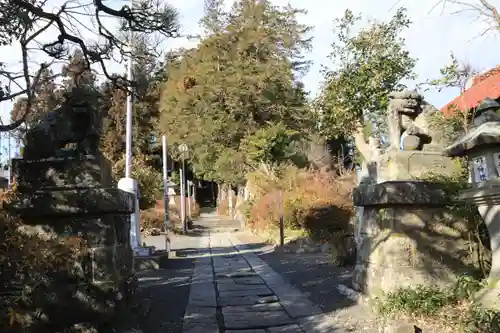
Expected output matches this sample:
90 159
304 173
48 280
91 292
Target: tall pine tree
241 79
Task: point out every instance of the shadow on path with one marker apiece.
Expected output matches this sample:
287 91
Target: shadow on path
314 274
167 292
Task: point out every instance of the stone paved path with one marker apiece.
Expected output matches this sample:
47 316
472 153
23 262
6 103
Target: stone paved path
233 291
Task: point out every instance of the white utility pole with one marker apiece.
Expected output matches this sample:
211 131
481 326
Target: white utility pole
165 180
128 125
183 148
189 197
128 184
183 200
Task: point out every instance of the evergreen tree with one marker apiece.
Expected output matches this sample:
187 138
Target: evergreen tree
242 78
367 66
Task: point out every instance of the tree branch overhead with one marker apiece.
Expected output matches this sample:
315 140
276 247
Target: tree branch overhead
23 22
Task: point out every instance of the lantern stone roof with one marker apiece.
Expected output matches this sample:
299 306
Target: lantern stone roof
484 134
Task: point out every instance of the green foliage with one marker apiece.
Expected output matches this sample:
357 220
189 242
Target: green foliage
175 177
239 80
454 75
269 145
150 180
453 125
433 301
482 320
367 67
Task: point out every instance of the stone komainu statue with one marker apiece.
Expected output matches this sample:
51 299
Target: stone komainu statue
410 120
74 123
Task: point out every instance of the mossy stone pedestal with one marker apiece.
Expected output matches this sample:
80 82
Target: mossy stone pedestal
72 196
409 237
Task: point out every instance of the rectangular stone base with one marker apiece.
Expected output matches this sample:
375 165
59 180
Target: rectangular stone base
154 262
55 173
74 202
414 165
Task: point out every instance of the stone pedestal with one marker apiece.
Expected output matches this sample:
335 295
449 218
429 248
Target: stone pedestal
72 197
487 200
413 165
407 237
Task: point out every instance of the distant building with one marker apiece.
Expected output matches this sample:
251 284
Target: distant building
484 85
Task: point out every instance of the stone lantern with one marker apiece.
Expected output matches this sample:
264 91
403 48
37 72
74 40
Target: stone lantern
173 189
481 146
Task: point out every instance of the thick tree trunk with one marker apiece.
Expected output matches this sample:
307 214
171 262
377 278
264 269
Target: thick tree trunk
370 152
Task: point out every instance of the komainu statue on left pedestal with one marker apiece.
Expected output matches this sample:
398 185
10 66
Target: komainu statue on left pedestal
72 129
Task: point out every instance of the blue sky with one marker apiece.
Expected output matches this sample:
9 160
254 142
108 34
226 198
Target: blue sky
432 36
430 39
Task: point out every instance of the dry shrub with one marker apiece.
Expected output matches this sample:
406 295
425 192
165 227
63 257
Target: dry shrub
34 266
153 218
315 201
223 206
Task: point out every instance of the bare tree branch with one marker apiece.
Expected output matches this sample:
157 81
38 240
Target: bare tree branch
483 9
23 22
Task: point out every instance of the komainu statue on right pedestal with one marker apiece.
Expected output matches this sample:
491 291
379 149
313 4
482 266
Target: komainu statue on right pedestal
410 120
415 141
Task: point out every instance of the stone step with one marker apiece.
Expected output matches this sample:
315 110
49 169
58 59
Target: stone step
157 261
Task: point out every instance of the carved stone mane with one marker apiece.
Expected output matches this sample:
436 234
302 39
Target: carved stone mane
410 123
73 123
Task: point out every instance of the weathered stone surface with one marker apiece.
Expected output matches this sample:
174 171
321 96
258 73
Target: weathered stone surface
233 275
243 320
62 197
199 328
246 300
75 202
487 198
410 142
246 292
200 315
410 116
401 193
223 287
55 173
74 123
285 329
265 272
486 134
246 331
411 165
254 280
253 308
110 262
402 246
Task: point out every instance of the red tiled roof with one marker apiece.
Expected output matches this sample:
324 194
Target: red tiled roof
486 85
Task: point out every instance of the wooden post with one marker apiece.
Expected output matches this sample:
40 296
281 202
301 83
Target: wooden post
282 220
